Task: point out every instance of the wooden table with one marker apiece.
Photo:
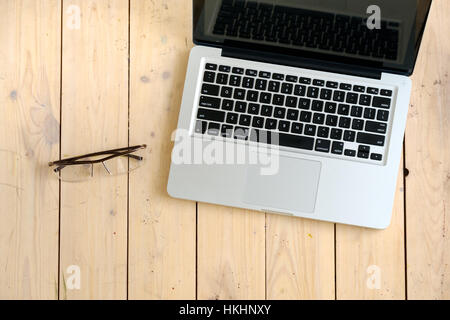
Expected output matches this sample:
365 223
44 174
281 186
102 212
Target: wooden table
115 79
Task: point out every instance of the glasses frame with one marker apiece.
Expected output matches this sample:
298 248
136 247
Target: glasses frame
109 154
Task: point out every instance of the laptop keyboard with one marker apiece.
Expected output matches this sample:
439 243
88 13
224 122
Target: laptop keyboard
326 117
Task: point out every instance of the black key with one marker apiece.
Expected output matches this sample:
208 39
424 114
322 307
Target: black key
369 113
271 123
383 115
291 78
292 114
258 122
222 78
336 134
344 122
227 104
287 88
319 83
278 76
305 80
241 133
232 118
305 116
372 90
209 114
318 118
330 107
386 93
376 127
376 156
239 94
364 149
300 90
332 84
240 106
337 147
245 120
211 66
304 103
266 110
282 139
224 68
279 113
248 82
357 124
372 139
274 86
250 72
313 92
210 89
200 126
365 100
357 111
265 97
349 135
310 130
332 120
235 81
363 155
291 102
209 76
343 109
278 100
350 153
253 108
297 127
264 74
345 86
252 95
352 97
284 126
209 102
359 88
261 84
339 96
325 94
238 70
322 145
213 129
380 102
323 132
317 105
226 131
226 92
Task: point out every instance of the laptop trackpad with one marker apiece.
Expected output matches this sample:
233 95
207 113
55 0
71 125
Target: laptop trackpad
293 187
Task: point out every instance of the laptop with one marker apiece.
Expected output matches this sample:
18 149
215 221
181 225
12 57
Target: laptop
297 107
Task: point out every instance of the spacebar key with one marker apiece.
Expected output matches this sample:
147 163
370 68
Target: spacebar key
282 139
212 115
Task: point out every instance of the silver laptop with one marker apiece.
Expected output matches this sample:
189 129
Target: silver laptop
297 107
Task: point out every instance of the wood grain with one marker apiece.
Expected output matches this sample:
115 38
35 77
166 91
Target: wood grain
29 139
162 229
428 161
370 264
95 118
300 258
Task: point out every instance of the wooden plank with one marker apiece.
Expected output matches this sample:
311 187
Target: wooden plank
162 229
370 264
29 139
231 253
95 118
428 161
300 258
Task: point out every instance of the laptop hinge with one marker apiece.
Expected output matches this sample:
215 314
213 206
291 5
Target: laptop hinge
287 60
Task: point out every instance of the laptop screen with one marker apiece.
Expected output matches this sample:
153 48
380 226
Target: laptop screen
379 34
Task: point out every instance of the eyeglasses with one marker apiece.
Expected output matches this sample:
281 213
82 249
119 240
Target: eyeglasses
114 162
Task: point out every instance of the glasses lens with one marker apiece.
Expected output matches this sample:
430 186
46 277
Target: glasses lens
76 173
122 165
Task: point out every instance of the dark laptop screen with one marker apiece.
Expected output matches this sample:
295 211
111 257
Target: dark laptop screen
380 34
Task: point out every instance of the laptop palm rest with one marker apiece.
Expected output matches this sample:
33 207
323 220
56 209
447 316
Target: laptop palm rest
293 187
